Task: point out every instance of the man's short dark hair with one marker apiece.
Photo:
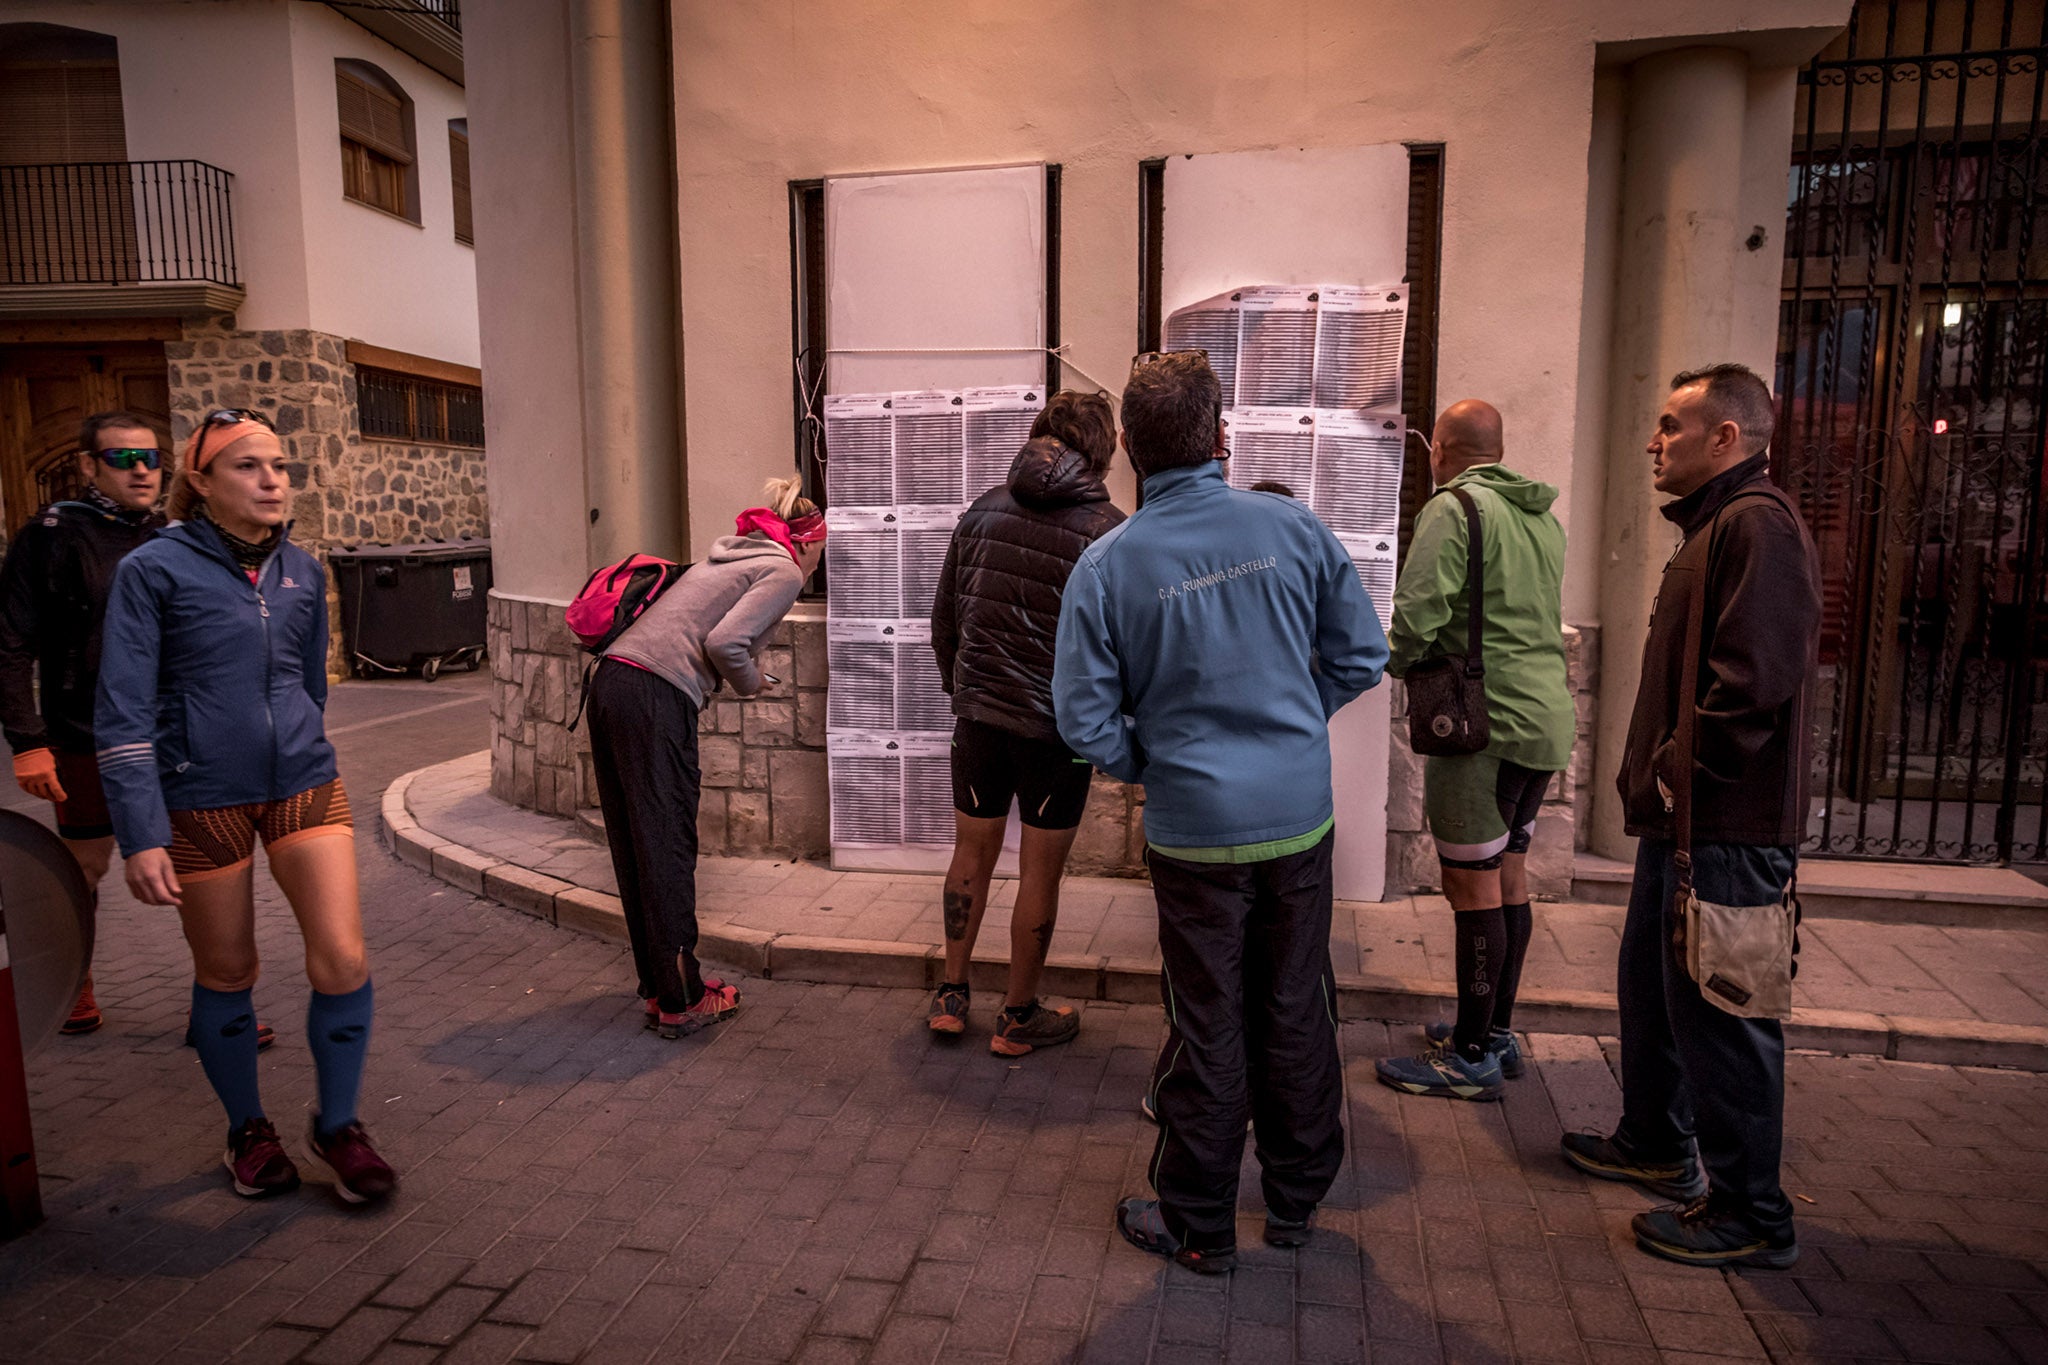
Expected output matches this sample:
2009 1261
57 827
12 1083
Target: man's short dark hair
1171 407
1735 393
89 430
1081 422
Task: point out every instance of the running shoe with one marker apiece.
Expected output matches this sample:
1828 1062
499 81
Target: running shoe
949 1011
719 1002
360 1175
651 1009
1501 1042
85 1011
1288 1232
265 1036
1144 1227
1605 1158
1699 1234
1446 1072
257 1163
1039 1026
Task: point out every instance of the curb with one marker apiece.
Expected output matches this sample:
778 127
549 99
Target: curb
870 962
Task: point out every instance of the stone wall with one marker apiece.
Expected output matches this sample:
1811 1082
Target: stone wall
1411 853
765 786
348 488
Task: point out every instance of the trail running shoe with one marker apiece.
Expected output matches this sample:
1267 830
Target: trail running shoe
1144 1227
1697 1234
1501 1042
949 1011
719 1002
257 1162
1446 1072
1604 1158
651 1010
1288 1232
85 1011
1041 1026
360 1175
265 1036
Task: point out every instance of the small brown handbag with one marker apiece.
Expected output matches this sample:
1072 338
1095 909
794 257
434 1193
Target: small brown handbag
1447 693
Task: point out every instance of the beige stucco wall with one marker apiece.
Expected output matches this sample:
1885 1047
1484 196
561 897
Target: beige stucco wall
766 96
371 275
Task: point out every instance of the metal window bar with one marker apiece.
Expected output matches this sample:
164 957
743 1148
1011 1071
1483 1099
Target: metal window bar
402 407
117 222
1913 382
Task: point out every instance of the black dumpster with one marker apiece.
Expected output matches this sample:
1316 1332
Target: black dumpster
413 606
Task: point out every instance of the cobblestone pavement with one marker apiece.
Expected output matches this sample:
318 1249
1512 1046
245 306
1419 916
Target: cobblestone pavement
815 1181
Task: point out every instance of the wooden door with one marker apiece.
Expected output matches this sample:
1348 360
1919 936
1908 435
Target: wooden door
47 391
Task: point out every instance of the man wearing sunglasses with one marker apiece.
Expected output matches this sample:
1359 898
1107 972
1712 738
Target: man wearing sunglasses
54 585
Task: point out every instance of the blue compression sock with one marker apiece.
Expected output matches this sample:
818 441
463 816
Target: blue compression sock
338 1030
224 1032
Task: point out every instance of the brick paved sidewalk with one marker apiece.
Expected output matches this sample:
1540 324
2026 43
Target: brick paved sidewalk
818 1182
1918 992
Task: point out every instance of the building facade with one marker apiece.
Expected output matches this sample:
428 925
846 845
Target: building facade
286 230
1605 208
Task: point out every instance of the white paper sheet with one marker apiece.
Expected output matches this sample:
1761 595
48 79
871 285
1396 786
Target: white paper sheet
862 561
1303 346
995 424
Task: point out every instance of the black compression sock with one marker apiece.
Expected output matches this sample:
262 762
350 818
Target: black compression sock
960 986
1520 926
1482 950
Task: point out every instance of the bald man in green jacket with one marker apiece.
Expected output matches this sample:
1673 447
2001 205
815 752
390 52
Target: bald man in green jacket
1482 807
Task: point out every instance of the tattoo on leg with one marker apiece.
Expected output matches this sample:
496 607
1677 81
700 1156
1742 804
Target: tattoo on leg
959 905
1044 935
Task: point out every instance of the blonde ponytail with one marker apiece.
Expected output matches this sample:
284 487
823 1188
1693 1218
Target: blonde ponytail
785 498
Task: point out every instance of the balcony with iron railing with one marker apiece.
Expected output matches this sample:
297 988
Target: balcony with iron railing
117 239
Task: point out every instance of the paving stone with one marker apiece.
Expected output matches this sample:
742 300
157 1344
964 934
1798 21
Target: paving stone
816 1181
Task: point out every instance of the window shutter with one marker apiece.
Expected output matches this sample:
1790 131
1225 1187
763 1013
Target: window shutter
371 117
458 175
59 112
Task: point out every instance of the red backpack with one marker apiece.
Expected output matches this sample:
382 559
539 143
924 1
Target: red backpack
611 600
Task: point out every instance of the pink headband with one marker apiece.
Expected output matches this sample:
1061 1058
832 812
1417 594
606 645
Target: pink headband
804 530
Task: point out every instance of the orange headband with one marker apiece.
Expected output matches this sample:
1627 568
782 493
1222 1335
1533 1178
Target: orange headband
209 440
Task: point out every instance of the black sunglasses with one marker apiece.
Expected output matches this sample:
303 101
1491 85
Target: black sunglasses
224 417
129 457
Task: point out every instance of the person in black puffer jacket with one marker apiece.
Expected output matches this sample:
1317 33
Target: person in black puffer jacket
993 622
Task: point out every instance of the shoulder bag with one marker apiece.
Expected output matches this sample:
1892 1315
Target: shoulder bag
1447 693
1742 957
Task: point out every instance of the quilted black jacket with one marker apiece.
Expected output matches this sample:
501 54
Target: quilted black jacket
998 604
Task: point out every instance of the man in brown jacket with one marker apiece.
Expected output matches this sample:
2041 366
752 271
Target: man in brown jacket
1689 1069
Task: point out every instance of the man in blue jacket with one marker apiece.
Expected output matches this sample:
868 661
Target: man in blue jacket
1203 646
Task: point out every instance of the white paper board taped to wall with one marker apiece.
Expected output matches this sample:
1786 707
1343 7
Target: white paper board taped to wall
1304 218
926 261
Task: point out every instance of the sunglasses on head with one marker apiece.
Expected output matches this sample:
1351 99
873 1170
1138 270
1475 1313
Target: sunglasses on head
224 417
131 457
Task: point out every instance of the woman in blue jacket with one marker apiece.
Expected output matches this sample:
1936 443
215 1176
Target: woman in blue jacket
210 725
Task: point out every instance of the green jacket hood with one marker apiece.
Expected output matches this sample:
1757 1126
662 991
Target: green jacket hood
1525 493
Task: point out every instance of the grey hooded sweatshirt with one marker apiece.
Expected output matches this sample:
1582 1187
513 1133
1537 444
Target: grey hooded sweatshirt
709 622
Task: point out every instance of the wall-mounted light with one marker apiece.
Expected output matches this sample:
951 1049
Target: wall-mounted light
1941 423
1951 314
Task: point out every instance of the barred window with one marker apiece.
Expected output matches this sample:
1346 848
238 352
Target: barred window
403 407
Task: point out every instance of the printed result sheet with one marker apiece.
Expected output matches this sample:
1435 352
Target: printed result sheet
900 469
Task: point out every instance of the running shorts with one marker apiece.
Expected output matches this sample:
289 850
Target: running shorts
1481 808
991 765
213 843
82 814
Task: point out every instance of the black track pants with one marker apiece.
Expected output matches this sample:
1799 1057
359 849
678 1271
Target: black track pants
643 743
1251 1027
